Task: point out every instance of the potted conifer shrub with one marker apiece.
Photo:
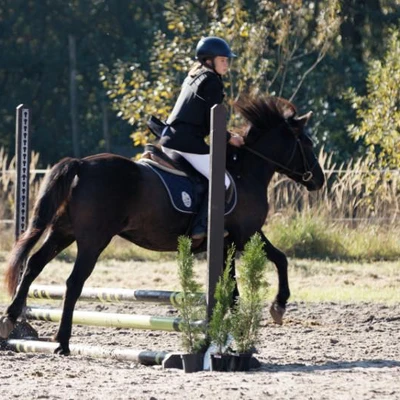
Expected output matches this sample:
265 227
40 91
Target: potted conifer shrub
191 308
247 312
220 323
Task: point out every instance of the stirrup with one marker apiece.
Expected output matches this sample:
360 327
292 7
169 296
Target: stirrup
199 235
229 194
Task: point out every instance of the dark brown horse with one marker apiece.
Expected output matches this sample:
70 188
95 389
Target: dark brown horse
93 199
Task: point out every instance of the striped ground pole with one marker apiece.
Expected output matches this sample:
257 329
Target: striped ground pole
145 357
109 295
110 320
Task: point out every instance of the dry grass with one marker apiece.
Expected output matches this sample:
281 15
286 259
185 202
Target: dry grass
310 280
355 215
8 182
313 235
353 192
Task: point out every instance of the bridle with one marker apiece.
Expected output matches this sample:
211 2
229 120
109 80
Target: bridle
305 176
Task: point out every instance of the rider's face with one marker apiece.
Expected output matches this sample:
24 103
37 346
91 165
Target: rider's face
221 65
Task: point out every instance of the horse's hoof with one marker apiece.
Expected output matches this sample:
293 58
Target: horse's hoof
62 350
6 326
277 313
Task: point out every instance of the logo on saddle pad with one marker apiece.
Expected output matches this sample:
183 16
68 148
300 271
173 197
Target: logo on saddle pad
181 190
186 199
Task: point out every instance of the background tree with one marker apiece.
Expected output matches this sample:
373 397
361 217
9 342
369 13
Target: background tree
364 24
144 48
378 112
276 54
34 67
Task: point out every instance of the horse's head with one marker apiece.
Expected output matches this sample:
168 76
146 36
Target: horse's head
278 136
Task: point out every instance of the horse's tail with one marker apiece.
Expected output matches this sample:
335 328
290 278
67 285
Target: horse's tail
53 196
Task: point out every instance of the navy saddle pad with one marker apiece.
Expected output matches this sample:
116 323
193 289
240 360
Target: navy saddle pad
181 192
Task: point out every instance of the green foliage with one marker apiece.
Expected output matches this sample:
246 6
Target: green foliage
243 321
360 41
370 242
314 235
190 308
252 268
220 323
314 281
143 50
247 313
306 235
137 93
378 111
35 69
268 40
245 326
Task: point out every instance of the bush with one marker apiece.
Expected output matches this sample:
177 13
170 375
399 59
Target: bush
247 312
221 322
313 235
190 308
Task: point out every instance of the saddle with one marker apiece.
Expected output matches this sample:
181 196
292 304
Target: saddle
186 187
174 164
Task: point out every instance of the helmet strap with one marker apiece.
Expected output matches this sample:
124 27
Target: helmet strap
213 64
207 65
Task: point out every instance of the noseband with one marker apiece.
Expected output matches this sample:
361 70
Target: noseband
306 176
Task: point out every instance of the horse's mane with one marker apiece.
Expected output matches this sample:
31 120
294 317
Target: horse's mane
264 113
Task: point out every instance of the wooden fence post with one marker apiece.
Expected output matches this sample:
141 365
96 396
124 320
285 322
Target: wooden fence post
216 202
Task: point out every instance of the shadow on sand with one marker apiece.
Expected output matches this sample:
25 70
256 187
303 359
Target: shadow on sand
331 365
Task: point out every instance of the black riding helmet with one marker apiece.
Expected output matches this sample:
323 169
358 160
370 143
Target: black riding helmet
211 47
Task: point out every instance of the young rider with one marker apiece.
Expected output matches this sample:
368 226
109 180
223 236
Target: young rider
189 122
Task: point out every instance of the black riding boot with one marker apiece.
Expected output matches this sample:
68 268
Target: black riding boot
199 230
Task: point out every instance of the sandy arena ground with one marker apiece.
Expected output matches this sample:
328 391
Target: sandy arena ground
323 351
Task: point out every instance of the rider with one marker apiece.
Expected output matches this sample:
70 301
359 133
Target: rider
189 122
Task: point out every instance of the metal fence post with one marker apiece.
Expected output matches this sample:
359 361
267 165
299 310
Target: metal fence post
22 154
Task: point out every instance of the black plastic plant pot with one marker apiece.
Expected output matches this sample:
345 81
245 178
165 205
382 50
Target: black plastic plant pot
221 362
192 362
241 362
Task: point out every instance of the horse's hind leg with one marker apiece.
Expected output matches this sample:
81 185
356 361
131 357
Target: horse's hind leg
86 259
54 243
278 306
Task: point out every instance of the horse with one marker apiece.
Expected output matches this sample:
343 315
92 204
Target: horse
90 200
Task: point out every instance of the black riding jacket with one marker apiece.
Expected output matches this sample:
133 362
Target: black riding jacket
189 122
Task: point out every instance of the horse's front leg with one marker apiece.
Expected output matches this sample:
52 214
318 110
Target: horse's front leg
278 306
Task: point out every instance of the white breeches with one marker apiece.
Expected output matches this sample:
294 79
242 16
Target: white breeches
200 162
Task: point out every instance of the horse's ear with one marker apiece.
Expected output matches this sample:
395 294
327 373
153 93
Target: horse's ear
303 120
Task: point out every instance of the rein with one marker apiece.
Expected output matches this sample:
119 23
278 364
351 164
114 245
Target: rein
306 176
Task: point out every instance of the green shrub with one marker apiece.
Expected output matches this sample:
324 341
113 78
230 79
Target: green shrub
313 235
220 324
190 308
247 312
304 235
